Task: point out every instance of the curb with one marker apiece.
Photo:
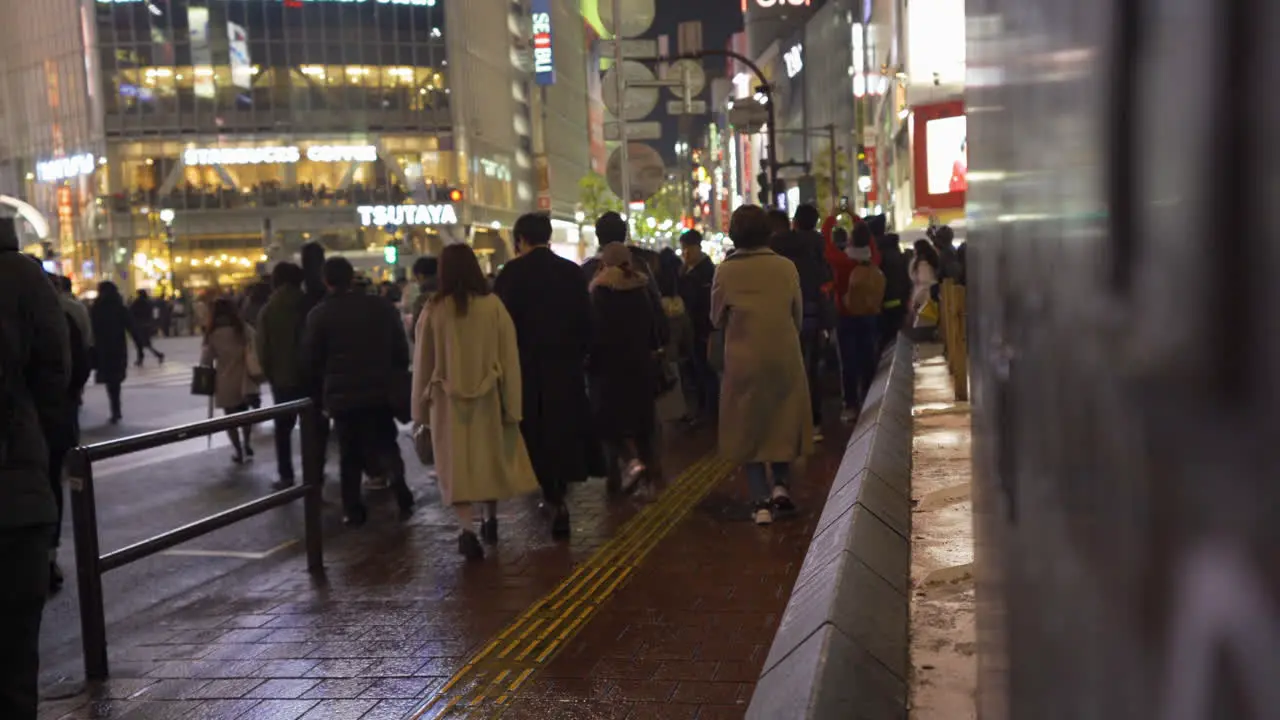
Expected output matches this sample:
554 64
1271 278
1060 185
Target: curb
841 650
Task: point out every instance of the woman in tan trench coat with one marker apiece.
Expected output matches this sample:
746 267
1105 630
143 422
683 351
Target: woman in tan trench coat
466 388
765 416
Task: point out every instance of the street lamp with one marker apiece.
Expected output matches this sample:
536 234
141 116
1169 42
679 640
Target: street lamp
166 216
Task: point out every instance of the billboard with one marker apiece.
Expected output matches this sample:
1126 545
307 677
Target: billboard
940 156
241 65
201 51
544 63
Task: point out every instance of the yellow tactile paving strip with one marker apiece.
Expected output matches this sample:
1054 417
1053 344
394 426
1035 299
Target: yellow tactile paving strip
484 687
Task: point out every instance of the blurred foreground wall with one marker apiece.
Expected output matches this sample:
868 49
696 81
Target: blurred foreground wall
1124 272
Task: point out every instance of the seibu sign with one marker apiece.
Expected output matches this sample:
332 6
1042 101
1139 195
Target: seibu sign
381 215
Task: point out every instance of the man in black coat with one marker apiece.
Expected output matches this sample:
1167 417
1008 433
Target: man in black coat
695 289
547 299
35 365
356 353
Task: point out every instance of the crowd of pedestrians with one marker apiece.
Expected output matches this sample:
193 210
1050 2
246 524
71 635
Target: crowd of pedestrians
536 380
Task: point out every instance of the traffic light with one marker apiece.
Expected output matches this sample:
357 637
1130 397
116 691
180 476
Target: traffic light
455 195
391 253
765 194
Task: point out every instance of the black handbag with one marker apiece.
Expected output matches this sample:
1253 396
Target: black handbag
204 380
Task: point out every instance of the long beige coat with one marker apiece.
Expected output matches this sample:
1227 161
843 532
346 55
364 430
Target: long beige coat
466 387
226 352
765 415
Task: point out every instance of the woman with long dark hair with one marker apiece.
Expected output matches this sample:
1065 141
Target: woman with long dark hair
112 330
466 389
229 349
924 275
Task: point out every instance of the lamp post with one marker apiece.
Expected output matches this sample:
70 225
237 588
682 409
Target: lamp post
166 217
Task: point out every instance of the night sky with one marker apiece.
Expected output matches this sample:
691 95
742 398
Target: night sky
720 19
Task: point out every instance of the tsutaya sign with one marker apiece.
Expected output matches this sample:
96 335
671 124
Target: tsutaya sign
65 168
380 215
279 154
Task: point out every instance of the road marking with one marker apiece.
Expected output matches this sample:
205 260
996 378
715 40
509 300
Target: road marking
534 638
234 554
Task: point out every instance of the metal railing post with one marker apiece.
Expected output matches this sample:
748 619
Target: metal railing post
313 480
84 524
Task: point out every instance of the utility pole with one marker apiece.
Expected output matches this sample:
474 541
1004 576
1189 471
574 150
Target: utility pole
622 102
835 195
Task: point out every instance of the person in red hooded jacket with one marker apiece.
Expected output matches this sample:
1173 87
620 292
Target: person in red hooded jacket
842 262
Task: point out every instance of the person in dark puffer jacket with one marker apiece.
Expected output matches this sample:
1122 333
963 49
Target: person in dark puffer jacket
35 366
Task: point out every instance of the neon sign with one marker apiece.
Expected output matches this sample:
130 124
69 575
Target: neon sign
775 3
279 154
60 169
544 67
794 60
381 215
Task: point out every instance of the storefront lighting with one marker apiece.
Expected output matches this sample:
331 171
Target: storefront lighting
279 155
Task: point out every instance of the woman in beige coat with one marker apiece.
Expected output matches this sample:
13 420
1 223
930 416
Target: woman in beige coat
466 388
229 349
766 421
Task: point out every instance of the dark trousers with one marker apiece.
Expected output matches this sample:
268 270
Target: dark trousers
811 346
24 565
113 399
366 439
891 321
706 382
284 431
645 449
858 338
141 342
57 458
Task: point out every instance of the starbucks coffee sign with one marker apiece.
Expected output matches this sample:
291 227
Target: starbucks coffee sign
382 215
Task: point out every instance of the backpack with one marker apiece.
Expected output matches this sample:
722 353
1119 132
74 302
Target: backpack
865 295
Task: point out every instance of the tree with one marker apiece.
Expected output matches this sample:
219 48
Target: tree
665 207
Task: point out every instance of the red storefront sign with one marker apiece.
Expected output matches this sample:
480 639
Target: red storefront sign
941 161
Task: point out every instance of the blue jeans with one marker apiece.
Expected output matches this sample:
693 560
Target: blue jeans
858 338
758 479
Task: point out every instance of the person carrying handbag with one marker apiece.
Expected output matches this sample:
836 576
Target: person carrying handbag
229 350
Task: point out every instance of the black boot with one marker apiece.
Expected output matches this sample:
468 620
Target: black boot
560 527
489 530
469 545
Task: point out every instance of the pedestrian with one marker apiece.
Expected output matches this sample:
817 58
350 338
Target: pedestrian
61 443
34 370
547 299
75 309
897 291
842 262
803 245
426 279
165 307
765 416
313 287
924 276
863 302
467 389
254 300
229 349
355 346
673 405
112 327
624 367
280 328
695 289
611 228
144 326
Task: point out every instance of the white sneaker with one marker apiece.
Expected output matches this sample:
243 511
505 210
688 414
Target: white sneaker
632 475
782 498
376 483
763 516
818 436
848 416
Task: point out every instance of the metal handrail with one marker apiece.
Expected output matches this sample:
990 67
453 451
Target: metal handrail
90 564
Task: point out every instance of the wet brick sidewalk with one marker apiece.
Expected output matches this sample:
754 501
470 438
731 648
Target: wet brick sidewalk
400 617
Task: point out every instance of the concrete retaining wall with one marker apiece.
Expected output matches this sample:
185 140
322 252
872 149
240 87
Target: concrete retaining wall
841 650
